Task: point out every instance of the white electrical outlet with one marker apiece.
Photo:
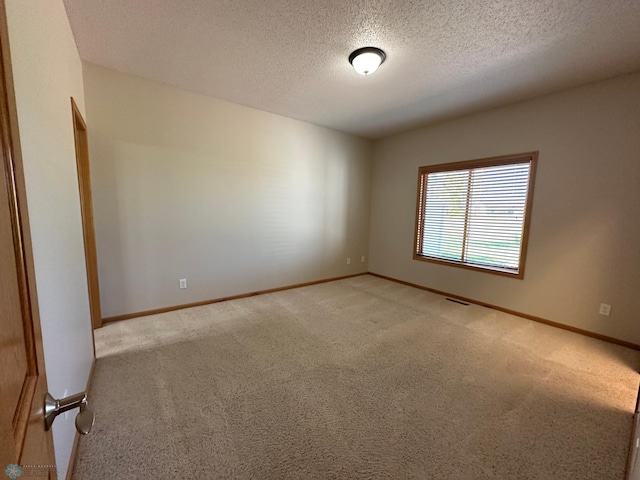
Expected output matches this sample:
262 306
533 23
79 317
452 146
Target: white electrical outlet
605 309
362 259
348 261
183 283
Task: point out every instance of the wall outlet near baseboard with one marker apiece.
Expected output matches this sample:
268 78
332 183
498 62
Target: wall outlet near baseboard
183 283
605 309
348 261
362 259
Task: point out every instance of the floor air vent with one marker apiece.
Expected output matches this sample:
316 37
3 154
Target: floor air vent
458 301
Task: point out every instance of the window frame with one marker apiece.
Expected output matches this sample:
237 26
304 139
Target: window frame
424 171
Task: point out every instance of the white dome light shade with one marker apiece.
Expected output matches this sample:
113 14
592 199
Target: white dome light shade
366 60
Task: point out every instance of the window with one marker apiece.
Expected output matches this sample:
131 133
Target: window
475 214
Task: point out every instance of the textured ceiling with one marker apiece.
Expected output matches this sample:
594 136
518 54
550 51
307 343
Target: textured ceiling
444 58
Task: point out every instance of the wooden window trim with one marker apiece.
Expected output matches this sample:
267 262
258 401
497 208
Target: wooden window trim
531 157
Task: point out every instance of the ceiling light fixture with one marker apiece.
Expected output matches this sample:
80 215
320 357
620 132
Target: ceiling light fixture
366 60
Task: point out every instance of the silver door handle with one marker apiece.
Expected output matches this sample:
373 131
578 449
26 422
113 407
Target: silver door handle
54 407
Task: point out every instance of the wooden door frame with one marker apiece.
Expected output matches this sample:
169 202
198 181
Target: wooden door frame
35 385
86 210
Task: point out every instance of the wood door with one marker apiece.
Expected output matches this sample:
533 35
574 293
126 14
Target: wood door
26 449
86 208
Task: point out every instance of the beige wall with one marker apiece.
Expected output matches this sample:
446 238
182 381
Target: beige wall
47 72
231 198
584 245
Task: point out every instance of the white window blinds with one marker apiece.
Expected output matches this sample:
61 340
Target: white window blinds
474 216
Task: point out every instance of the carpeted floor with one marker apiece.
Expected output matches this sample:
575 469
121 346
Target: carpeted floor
356 379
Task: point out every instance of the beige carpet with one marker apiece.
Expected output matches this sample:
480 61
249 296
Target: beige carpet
356 379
